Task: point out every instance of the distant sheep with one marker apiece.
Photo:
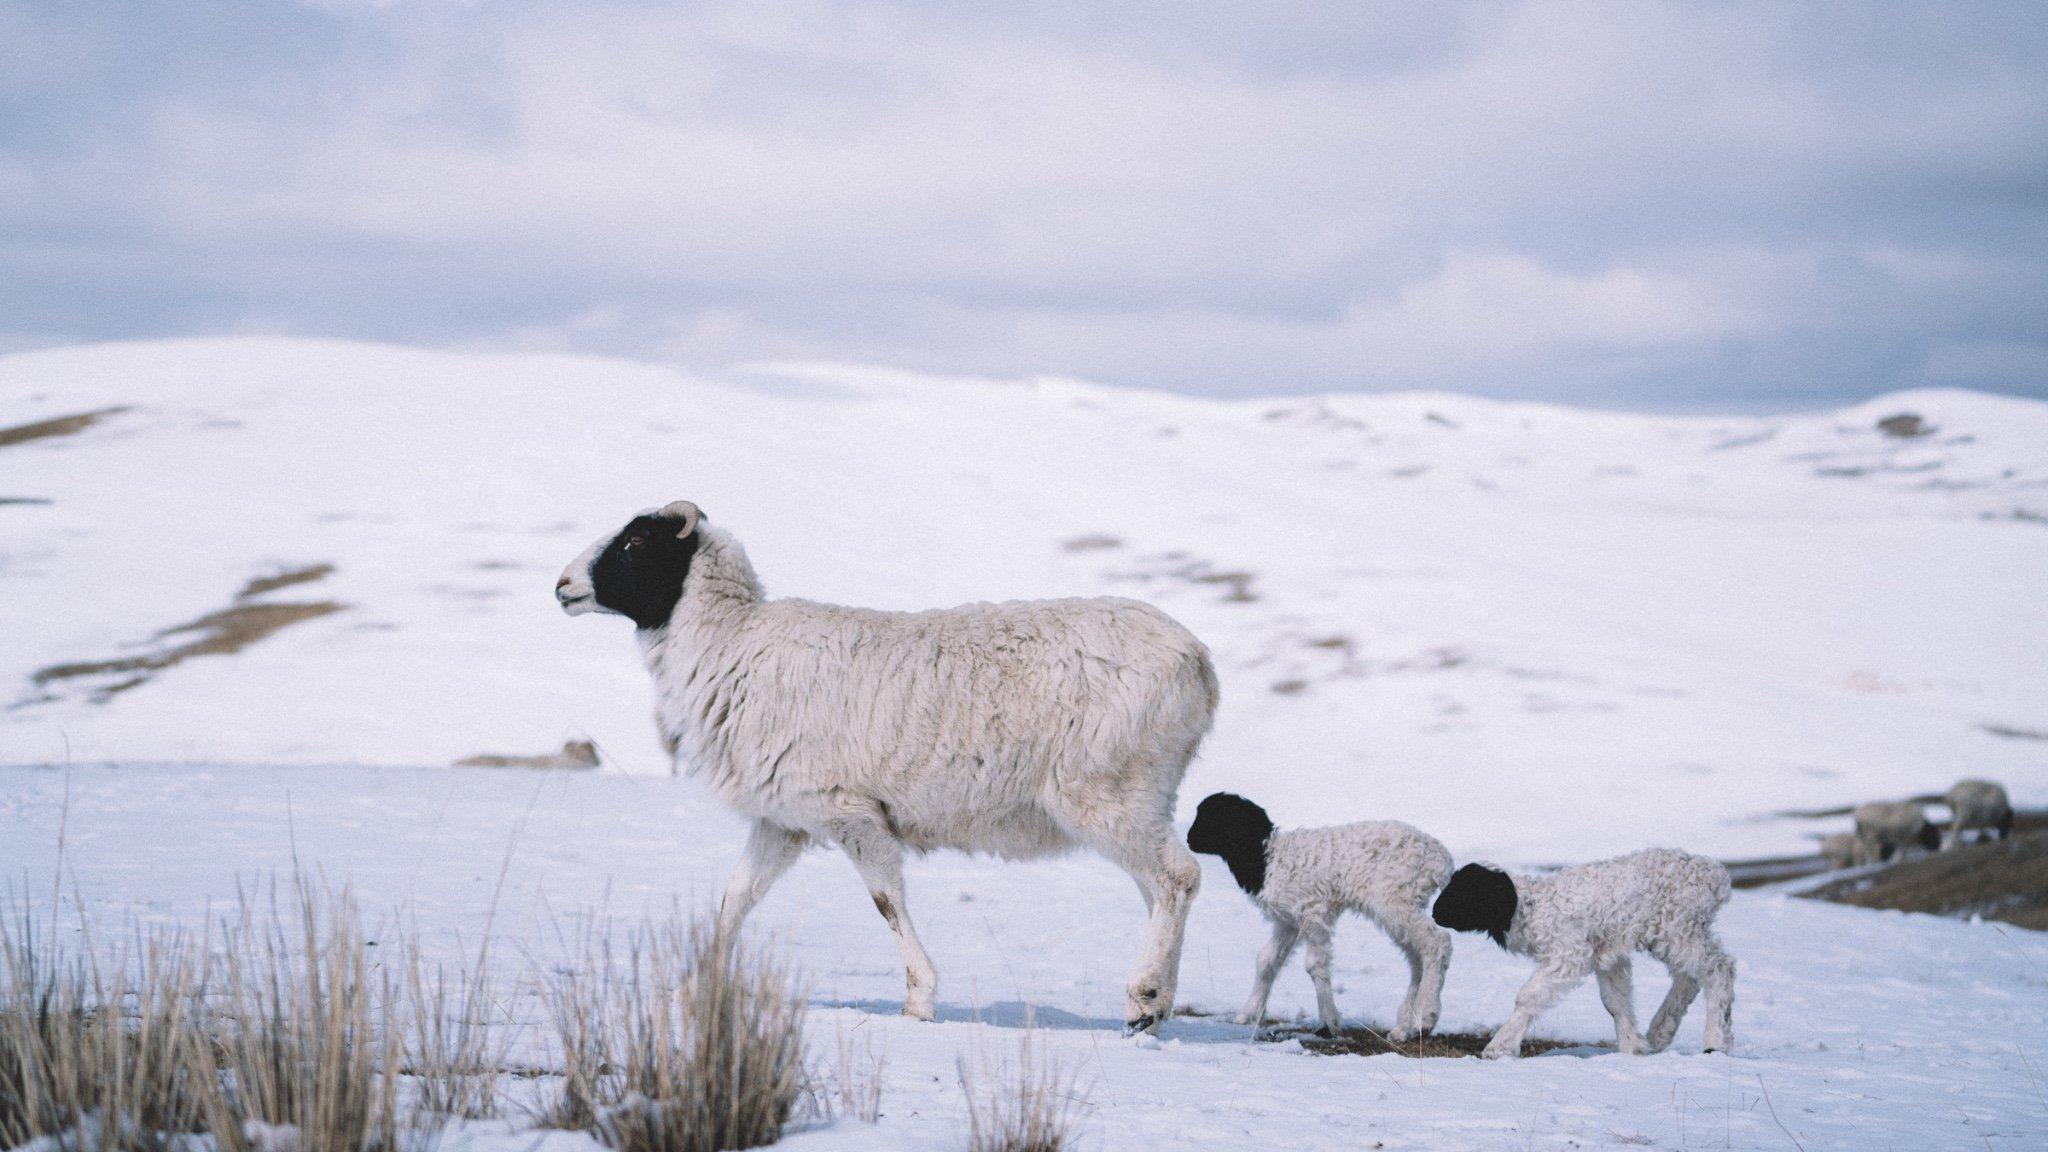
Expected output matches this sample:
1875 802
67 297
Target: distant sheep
1886 828
1589 918
1304 879
1977 806
1018 729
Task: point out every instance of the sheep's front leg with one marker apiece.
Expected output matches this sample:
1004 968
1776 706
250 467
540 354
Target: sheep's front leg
1428 950
1617 992
1271 959
1317 932
771 849
1552 979
1664 1025
879 858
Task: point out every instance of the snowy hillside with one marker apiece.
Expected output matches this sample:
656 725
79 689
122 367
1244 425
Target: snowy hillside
1540 633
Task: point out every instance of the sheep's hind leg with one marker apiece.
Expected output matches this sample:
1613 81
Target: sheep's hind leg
1664 1025
1428 949
771 849
879 858
1617 992
1147 848
1272 958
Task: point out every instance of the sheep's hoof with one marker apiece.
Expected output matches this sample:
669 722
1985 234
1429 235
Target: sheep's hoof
1400 1036
1326 1032
1141 1025
1493 1053
917 1011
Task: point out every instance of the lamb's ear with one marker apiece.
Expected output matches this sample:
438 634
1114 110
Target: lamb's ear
682 510
1478 899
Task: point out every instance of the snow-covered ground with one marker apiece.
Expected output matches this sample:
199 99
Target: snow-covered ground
1867 1029
1541 634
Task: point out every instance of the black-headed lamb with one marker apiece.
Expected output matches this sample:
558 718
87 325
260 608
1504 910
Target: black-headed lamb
1305 878
1588 919
1979 806
1019 729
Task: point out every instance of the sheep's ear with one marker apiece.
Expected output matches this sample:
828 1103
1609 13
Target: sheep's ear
682 510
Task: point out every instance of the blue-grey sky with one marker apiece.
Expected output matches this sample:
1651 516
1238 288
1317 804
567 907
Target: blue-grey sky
1695 205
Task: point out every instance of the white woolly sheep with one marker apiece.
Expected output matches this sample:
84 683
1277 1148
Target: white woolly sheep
1019 729
1977 806
1588 918
1886 828
1304 879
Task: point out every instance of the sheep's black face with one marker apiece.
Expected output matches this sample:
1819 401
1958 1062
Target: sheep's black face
1236 829
637 574
1478 899
1930 838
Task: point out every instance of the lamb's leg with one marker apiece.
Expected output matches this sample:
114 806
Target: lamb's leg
1617 992
1272 958
771 849
1552 979
879 857
1428 949
1664 1025
1718 975
1316 930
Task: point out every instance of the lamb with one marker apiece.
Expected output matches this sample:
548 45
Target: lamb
1977 806
1303 879
1588 918
1019 729
1885 828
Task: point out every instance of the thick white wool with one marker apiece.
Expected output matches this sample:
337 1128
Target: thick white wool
1018 729
1384 870
1588 919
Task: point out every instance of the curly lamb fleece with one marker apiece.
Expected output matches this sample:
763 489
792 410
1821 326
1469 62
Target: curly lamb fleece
1588 918
1304 879
1017 729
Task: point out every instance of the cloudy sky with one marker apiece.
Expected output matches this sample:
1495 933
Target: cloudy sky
1698 205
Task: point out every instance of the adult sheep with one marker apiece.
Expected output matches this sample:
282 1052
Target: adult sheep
1019 729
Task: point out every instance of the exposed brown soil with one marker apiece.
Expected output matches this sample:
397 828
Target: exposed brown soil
58 426
2004 880
1439 1045
221 633
284 579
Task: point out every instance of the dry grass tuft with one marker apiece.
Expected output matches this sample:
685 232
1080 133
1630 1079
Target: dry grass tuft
1029 1106
693 1044
451 1049
308 1059
102 1058
857 1076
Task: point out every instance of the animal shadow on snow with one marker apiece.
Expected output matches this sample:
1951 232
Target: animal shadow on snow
1019 1014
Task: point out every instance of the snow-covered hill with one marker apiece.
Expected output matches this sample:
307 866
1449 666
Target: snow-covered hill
1540 633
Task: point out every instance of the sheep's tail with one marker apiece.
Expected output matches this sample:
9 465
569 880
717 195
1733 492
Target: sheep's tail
1205 674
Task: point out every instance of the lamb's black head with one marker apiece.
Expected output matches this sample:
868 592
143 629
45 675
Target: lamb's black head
638 571
1478 899
1236 829
1930 837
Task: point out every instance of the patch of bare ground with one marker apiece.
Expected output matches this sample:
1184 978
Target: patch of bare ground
58 426
575 756
2000 880
1237 584
30 500
222 633
1436 1046
1093 542
2011 732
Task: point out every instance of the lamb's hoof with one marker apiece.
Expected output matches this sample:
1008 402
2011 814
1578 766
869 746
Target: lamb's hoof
1243 1018
1492 1053
918 1011
1326 1032
1141 1025
1400 1036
